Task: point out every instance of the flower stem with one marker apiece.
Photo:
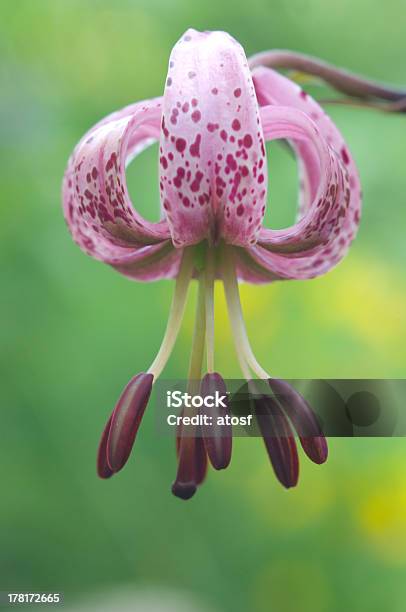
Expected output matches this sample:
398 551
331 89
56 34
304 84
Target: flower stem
342 80
176 313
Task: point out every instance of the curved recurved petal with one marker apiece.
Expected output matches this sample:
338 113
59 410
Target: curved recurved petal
97 205
303 419
330 194
153 262
212 157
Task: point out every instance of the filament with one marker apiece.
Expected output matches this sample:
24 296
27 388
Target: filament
176 313
209 304
245 354
199 333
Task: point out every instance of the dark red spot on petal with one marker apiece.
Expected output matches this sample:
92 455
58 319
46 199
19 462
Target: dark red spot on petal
345 156
195 147
247 141
180 144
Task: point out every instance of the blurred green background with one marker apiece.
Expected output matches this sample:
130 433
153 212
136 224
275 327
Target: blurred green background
73 331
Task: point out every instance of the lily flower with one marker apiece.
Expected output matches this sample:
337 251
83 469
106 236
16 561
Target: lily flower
216 114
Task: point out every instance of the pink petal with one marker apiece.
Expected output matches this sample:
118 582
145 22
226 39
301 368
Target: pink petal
97 206
330 199
150 263
212 157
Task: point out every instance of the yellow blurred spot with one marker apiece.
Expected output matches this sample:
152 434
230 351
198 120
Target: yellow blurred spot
292 509
274 507
256 305
367 297
291 585
382 518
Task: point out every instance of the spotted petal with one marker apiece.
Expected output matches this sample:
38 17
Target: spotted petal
97 206
329 207
212 157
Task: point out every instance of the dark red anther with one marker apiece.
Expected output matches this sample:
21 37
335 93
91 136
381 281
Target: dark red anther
192 461
103 468
279 441
217 438
185 484
201 460
303 419
125 421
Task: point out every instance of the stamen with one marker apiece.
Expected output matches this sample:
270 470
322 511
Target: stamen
192 454
279 440
297 409
243 348
103 468
176 313
199 334
303 420
126 419
218 439
185 484
209 295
